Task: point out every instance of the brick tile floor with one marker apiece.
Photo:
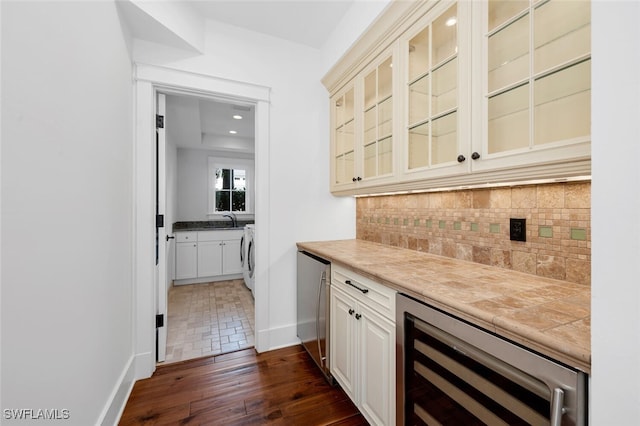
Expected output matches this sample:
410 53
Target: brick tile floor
209 319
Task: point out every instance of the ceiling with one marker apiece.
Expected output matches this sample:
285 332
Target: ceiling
308 22
205 124
198 123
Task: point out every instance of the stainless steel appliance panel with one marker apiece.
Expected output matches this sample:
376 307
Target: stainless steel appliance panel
313 283
451 372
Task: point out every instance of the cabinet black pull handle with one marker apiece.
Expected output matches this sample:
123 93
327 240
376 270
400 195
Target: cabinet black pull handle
351 311
358 316
363 290
475 156
461 158
354 179
170 237
359 178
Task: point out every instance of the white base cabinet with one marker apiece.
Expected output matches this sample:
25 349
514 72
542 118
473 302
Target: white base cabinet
186 255
362 349
208 256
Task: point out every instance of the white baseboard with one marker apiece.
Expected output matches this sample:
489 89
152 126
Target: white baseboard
145 365
118 399
276 338
207 279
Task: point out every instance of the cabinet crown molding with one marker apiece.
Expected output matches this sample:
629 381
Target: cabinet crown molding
393 21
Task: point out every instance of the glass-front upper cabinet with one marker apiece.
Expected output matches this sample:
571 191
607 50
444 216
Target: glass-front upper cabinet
343 146
537 89
377 113
434 99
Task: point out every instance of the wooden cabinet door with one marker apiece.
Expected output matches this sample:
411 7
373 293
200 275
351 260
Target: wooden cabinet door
376 363
186 260
231 262
343 341
209 258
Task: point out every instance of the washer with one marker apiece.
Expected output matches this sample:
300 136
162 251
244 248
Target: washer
248 258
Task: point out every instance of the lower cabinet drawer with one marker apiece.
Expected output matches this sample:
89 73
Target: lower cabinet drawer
379 297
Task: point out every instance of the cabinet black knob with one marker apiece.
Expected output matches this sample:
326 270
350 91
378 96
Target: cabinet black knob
351 311
359 178
358 316
354 179
475 156
461 158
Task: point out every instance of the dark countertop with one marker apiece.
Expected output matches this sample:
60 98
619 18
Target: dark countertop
209 225
548 316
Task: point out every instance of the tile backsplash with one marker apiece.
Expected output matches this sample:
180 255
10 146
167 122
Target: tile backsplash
474 225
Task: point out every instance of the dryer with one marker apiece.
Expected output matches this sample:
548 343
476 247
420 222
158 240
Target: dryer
248 258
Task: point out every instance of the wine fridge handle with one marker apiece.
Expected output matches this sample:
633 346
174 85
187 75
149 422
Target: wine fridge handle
557 407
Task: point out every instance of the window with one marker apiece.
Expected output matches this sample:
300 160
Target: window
230 185
230 190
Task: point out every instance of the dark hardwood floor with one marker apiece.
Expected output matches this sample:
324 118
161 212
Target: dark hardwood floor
281 387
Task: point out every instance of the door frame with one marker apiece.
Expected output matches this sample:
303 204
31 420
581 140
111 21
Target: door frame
149 80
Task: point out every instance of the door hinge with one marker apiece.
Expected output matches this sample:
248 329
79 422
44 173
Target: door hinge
159 320
159 221
159 121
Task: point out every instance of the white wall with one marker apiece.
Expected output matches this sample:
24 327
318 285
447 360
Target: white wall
615 314
360 15
192 183
67 202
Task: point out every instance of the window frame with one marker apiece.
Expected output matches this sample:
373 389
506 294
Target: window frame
236 163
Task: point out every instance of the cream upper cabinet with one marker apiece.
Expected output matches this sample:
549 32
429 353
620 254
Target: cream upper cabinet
343 148
536 84
446 94
436 94
377 112
363 117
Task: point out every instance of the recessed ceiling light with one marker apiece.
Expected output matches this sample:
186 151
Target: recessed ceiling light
451 21
237 117
233 132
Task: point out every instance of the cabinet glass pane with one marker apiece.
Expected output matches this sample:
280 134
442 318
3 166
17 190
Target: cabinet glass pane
385 150
348 106
419 146
445 95
384 79
385 113
370 125
444 139
509 120
563 104
370 160
444 32
419 54
562 32
344 138
348 136
370 90
339 111
344 168
419 100
508 54
501 11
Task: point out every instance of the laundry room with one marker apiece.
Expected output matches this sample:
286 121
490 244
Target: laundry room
209 217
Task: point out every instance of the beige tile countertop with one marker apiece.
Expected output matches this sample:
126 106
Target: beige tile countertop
546 315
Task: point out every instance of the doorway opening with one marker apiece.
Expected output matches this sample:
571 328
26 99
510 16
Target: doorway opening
206 140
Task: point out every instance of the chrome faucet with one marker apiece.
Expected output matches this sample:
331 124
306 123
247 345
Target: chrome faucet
232 216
